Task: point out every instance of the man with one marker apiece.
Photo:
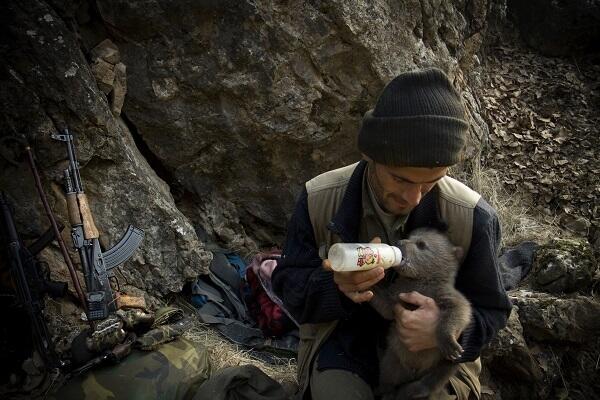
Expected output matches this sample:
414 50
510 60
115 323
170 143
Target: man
415 132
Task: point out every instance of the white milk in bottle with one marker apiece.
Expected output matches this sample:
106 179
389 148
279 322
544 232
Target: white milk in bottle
363 256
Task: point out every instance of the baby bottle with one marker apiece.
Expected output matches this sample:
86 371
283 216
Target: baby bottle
363 256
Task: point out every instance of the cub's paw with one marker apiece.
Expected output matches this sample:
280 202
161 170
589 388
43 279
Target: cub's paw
450 349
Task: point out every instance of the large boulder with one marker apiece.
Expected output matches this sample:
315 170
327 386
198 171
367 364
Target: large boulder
509 366
240 102
552 319
548 349
564 266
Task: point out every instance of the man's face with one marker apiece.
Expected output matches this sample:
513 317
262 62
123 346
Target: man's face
400 189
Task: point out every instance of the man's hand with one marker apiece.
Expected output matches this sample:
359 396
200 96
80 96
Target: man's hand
417 328
355 284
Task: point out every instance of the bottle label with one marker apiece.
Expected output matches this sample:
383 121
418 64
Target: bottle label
367 257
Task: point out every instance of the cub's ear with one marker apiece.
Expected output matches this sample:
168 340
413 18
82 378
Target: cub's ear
458 252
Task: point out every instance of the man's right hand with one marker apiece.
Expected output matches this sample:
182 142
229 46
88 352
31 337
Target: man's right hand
355 284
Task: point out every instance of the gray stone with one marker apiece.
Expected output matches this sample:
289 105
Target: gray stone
547 350
104 73
578 225
107 51
509 352
548 318
117 96
563 266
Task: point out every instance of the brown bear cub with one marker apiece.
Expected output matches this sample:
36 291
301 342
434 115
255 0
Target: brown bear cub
429 266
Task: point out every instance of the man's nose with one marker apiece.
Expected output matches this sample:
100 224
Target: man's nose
413 195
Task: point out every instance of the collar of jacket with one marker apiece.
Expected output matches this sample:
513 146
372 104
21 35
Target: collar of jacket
346 221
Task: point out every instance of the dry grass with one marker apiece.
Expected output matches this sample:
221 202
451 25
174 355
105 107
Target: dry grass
226 354
518 220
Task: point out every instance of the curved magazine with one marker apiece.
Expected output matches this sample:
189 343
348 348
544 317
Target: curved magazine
124 249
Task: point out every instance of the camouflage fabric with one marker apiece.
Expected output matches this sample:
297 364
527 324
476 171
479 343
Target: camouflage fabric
107 335
162 334
167 315
134 318
173 372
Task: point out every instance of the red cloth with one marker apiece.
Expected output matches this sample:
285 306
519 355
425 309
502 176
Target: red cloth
269 316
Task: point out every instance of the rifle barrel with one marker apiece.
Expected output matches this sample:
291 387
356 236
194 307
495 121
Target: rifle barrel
77 185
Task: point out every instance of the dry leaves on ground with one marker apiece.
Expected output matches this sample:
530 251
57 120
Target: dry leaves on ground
544 131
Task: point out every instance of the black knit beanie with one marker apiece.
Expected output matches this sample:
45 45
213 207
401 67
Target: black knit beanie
418 121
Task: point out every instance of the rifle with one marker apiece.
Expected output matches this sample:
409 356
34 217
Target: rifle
96 264
29 285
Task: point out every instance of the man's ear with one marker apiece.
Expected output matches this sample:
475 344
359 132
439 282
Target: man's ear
458 252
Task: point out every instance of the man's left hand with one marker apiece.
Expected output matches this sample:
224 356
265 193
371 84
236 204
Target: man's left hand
417 328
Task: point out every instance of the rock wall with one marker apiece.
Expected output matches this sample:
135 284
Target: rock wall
241 102
199 121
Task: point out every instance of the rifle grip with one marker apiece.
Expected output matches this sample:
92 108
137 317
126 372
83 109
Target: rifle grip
73 209
89 228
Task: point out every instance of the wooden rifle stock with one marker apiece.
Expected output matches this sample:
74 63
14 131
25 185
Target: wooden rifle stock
73 209
89 227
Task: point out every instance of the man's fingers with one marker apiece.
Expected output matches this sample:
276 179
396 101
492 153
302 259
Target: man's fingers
348 287
417 299
359 297
399 310
367 284
326 264
357 278
413 348
404 333
358 287
376 239
408 320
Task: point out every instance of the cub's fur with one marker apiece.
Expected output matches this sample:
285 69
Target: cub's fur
429 266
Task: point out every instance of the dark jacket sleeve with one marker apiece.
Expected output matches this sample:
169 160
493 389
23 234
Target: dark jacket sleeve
479 280
307 290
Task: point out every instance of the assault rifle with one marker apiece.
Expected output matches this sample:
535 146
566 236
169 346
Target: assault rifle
96 264
30 285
